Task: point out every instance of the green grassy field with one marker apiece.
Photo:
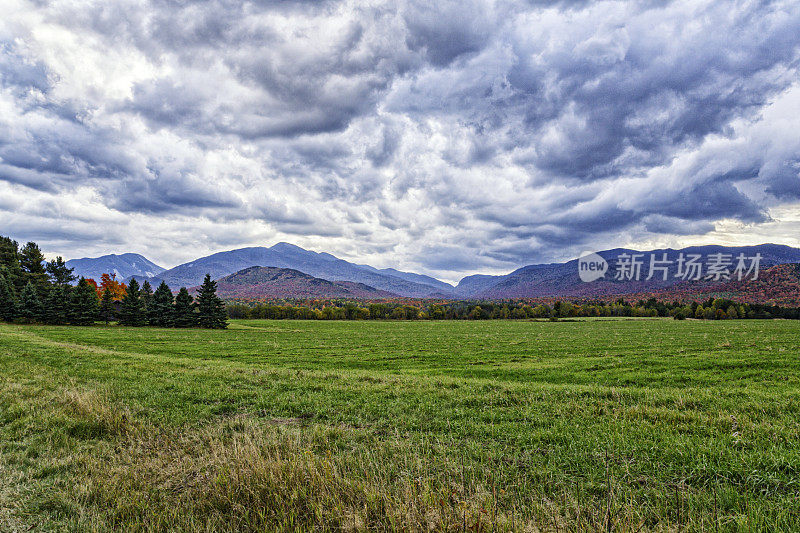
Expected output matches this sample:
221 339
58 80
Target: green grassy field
630 425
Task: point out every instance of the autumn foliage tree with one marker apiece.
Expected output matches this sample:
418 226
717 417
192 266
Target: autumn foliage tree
116 288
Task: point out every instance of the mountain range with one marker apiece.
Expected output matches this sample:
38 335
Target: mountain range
531 281
562 279
320 265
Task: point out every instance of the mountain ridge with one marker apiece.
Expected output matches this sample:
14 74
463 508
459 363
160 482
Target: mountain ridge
562 280
258 282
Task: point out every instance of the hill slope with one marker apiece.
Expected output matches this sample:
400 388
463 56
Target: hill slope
777 285
271 282
123 265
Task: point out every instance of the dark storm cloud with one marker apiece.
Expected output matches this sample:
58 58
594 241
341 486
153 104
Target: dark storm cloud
530 126
446 30
676 226
715 200
784 181
302 80
165 194
617 89
19 73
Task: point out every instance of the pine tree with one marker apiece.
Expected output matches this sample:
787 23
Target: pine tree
131 312
8 300
32 262
84 304
211 310
185 316
146 294
106 306
59 273
30 306
162 310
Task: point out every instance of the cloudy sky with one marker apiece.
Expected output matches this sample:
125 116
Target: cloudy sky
469 136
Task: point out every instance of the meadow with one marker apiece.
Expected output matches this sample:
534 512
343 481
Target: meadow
585 425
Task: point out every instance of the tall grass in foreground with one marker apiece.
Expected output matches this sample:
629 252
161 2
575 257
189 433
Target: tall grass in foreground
644 427
241 475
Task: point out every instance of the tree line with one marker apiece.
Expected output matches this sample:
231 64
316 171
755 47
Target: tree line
33 290
710 309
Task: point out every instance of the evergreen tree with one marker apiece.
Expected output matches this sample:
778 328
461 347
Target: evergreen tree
32 262
106 306
185 316
56 308
59 272
8 300
211 310
131 312
30 305
162 308
84 304
9 251
9 262
146 295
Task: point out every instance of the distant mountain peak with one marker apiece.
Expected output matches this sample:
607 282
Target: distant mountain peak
287 246
123 265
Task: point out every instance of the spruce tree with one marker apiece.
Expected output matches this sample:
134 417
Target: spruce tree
146 294
84 304
59 273
211 310
162 308
30 306
57 305
8 300
185 316
106 306
131 312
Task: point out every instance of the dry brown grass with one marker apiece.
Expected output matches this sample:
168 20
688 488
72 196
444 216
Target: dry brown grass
245 475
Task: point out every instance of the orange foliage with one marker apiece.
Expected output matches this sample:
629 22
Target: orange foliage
93 283
117 288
